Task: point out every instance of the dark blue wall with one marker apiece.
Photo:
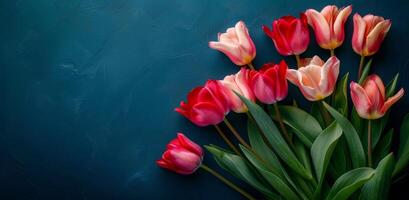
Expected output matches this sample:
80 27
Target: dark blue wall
88 88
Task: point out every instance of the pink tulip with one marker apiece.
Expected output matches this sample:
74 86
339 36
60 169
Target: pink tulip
315 79
206 105
290 35
369 32
239 83
328 25
269 84
369 99
182 156
236 44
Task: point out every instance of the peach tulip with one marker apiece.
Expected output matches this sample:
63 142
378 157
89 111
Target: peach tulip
369 32
328 25
240 83
315 79
236 44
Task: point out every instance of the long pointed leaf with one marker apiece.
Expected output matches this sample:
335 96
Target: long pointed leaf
403 155
348 183
305 126
322 149
270 131
351 136
377 187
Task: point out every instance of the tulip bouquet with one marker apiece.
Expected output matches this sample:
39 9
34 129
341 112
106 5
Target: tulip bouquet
323 151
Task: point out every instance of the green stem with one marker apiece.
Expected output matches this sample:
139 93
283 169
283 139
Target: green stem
297 57
251 66
361 65
227 182
228 142
332 51
283 129
235 133
369 143
324 113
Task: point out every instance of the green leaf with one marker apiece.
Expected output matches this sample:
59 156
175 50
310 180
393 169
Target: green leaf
378 186
354 143
273 136
340 97
239 168
350 182
305 126
365 72
383 147
276 182
273 163
403 155
358 123
322 149
390 89
315 111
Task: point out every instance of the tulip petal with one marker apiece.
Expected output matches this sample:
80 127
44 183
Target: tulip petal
204 114
358 37
230 50
339 23
360 99
392 100
376 36
263 94
295 77
320 26
329 75
189 144
244 38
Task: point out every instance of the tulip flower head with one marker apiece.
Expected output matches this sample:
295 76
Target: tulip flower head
290 35
182 156
206 105
369 99
239 83
328 25
236 44
269 84
369 33
315 79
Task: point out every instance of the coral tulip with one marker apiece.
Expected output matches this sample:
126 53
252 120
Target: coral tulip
316 79
236 44
328 25
206 105
269 84
182 156
239 83
290 35
369 32
369 99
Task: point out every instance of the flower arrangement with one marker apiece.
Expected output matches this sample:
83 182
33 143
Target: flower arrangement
330 151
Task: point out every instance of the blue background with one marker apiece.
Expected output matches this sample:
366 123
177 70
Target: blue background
88 88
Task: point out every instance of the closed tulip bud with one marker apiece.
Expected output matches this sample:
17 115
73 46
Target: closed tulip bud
328 25
290 35
269 84
369 32
369 99
236 44
182 156
239 83
315 79
206 105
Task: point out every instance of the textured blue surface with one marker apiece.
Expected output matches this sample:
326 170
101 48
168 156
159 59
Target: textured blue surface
88 88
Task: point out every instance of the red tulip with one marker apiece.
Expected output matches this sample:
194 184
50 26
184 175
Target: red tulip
239 83
369 32
236 44
269 84
316 79
182 156
290 35
206 105
328 25
369 99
